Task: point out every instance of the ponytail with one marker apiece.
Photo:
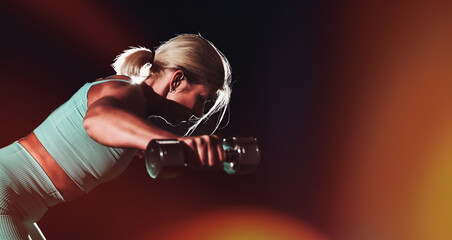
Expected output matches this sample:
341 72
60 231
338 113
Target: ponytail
135 63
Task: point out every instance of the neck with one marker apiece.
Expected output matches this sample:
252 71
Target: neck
159 83
153 99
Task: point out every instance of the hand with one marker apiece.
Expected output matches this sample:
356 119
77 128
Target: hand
204 152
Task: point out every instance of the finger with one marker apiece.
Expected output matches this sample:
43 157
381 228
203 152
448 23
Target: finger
221 153
213 154
218 145
218 152
202 150
220 156
191 153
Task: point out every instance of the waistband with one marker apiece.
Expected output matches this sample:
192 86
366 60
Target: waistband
63 183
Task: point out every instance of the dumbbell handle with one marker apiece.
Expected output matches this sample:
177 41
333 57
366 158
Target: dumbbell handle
165 158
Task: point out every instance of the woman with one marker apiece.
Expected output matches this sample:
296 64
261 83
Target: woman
92 138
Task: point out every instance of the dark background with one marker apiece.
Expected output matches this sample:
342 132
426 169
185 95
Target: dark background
350 102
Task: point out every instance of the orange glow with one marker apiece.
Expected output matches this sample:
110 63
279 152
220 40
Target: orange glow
237 224
431 210
393 156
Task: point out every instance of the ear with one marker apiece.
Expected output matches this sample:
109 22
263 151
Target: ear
178 76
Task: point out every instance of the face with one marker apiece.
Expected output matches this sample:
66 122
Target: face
191 98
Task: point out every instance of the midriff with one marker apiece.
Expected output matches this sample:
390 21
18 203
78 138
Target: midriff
63 183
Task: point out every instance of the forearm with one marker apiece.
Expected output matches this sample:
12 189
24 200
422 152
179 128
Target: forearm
118 128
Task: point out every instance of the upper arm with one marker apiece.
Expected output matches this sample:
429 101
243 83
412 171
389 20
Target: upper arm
119 95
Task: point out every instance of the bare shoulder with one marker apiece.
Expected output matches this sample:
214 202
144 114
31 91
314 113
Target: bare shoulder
120 91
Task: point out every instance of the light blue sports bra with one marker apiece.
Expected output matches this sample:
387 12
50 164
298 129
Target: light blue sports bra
87 162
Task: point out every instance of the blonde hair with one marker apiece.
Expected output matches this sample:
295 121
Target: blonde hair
200 60
133 63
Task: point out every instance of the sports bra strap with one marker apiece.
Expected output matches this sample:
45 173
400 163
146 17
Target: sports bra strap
110 80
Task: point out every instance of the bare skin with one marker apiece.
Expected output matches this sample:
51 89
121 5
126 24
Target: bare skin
116 113
116 118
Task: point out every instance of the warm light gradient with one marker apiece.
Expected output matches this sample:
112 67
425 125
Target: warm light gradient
239 223
393 150
430 210
351 102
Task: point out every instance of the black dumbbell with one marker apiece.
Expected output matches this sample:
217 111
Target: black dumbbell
165 158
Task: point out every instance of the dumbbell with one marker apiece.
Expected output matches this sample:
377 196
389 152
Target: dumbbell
165 158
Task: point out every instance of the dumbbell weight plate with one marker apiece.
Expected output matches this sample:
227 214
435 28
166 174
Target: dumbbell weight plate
242 154
165 158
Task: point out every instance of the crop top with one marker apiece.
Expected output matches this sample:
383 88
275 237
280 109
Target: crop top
87 162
